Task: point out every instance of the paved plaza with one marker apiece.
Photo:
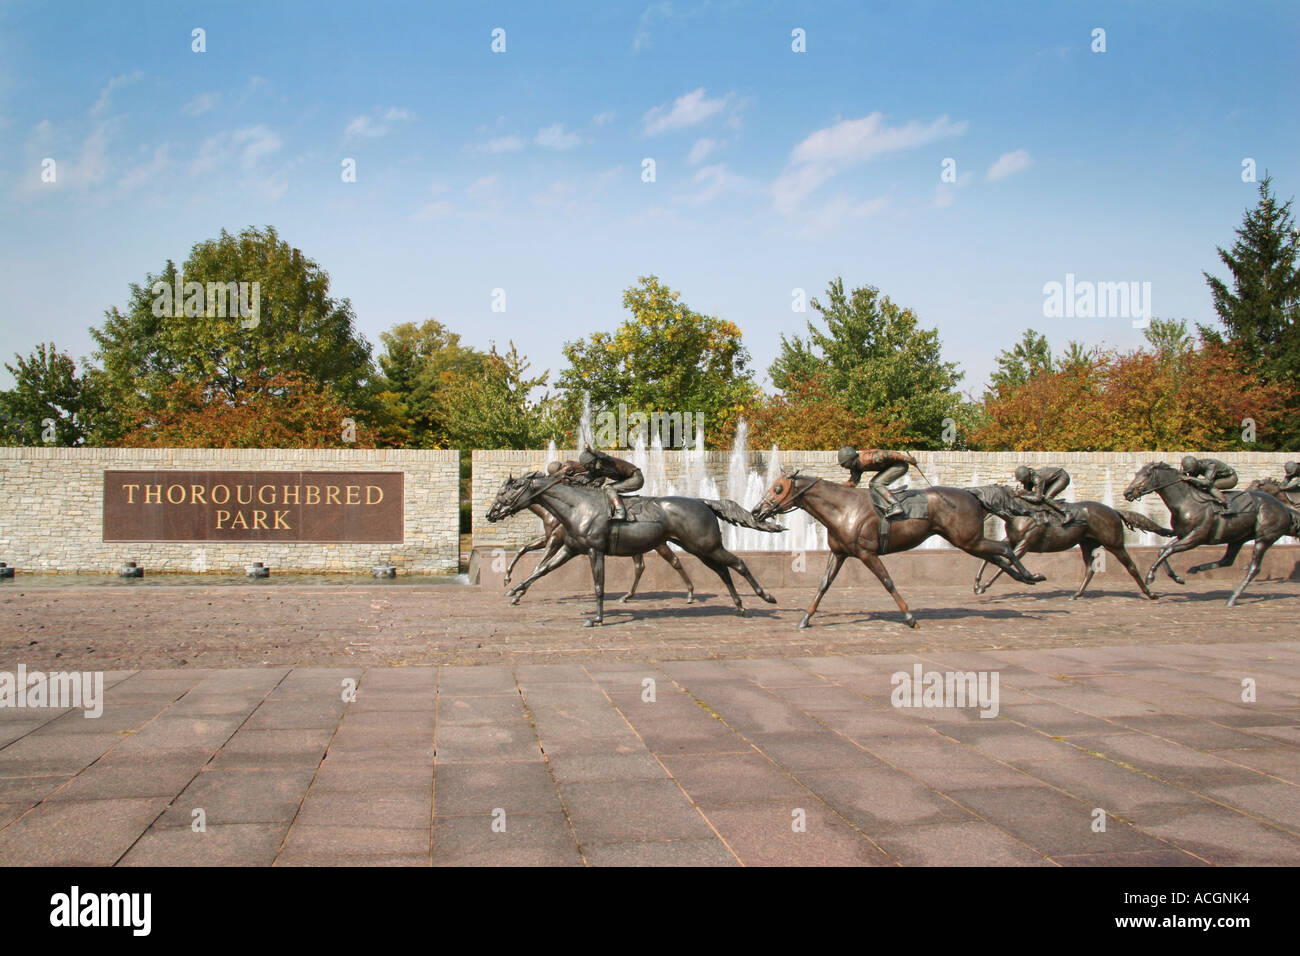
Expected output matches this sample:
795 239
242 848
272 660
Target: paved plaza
675 736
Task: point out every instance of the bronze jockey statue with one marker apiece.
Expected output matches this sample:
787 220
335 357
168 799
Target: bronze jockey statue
1291 479
595 466
1209 474
1043 485
889 466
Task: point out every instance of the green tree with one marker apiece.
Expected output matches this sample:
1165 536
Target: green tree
1169 337
296 328
874 353
495 408
1076 356
1261 312
49 398
1031 356
418 366
666 358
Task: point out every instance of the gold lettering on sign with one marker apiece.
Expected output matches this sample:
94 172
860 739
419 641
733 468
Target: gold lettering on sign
225 495
354 495
176 501
240 498
155 491
263 501
130 493
332 495
281 521
375 488
284 498
222 516
313 495
196 494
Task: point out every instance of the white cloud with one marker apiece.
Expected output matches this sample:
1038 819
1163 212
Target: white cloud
554 137
712 182
149 171
200 104
828 217
701 150
93 165
662 10
1009 164
247 146
848 143
377 122
688 109
106 94
503 144
600 119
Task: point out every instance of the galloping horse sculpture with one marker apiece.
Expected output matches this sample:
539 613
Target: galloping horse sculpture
1198 519
691 523
853 528
1103 528
552 539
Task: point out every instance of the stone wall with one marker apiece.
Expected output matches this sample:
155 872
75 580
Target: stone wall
51 511
1097 476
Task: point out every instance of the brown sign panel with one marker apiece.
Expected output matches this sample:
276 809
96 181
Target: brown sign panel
323 506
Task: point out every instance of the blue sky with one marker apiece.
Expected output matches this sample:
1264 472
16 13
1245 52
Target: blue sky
522 170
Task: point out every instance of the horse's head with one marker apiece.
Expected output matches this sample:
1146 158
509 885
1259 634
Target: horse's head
780 498
514 495
1148 479
1270 486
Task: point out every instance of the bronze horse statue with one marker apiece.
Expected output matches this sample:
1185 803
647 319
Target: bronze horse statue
552 539
1271 486
853 529
1104 528
1197 520
691 523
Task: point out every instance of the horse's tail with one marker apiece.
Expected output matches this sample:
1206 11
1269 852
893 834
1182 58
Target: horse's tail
1136 521
733 513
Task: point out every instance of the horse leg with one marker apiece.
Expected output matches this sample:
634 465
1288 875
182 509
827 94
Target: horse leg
735 561
1228 560
638 562
1124 558
530 546
552 561
1256 557
721 570
832 568
1021 548
1174 547
1088 548
877 567
1000 553
666 553
598 585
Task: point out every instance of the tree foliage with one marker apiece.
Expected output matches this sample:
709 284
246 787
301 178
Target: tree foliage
48 388
299 330
874 355
1143 399
285 410
666 357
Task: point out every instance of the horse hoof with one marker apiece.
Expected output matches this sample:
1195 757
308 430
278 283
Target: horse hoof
1151 595
624 599
514 601
770 599
804 623
742 612
591 623
910 621
1180 580
690 599
1035 578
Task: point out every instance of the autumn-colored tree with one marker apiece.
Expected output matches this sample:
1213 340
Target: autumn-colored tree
286 410
809 414
1144 399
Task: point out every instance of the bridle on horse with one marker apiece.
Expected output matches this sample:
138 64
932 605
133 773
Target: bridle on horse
528 493
789 505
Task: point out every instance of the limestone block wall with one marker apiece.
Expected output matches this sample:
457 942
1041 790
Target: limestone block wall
1096 476
51 511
